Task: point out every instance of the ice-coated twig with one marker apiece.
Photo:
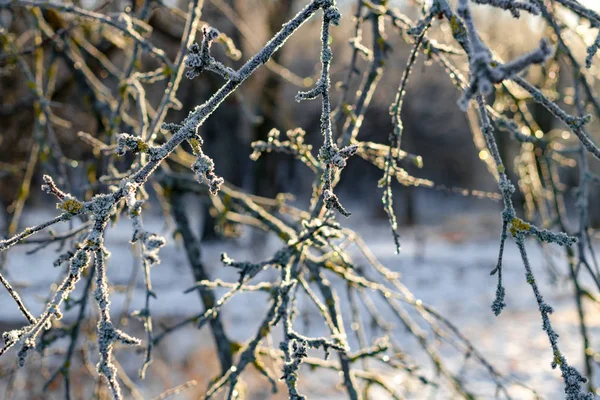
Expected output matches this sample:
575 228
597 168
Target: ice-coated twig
514 6
581 10
329 154
395 136
150 244
5 244
123 22
13 293
484 71
572 378
591 52
108 334
575 123
519 229
293 359
176 390
294 146
199 58
204 168
314 247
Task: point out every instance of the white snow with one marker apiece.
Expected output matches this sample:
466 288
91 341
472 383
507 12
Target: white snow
446 267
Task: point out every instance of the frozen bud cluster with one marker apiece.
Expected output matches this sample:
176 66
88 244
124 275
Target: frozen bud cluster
331 155
127 142
199 59
333 203
80 261
12 336
100 207
50 187
246 269
152 245
332 15
204 170
573 381
292 364
499 304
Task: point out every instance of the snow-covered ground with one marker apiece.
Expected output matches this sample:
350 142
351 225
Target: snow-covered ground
445 266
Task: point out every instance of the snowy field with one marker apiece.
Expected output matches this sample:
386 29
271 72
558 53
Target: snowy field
446 267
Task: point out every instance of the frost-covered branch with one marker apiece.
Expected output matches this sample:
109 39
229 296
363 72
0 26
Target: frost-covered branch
316 261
